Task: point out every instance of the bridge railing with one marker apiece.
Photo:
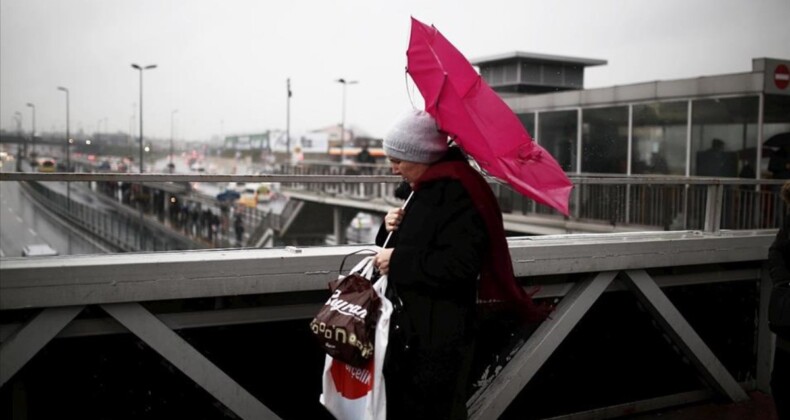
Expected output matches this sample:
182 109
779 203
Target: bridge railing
158 297
666 202
124 231
652 202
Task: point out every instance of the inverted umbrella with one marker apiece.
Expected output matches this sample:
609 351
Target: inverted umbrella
465 107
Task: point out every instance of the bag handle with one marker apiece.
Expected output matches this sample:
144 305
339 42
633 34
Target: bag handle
342 263
368 267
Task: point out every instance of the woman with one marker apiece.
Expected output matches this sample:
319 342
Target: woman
447 250
779 270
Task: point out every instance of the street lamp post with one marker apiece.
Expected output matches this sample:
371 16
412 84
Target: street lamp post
288 121
18 118
137 67
68 147
33 129
345 83
170 166
68 135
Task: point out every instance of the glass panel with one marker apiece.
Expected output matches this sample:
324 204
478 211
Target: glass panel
530 73
776 131
724 137
552 75
574 76
528 120
659 138
558 136
510 73
605 140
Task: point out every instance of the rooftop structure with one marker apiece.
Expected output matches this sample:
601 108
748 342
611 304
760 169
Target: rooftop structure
522 72
666 127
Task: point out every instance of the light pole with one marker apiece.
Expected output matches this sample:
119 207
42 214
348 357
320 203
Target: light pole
68 136
33 129
18 118
170 165
345 83
68 148
136 67
288 121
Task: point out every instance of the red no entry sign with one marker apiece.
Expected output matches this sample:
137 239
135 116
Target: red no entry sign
781 76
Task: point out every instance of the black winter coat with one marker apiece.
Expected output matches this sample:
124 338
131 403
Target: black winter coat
779 254
435 264
779 270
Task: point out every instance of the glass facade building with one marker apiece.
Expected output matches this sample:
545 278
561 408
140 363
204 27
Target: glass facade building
706 126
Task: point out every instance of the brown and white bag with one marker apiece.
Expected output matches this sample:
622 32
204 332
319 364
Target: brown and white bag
345 327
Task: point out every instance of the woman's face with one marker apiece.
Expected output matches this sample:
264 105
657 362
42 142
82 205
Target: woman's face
410 171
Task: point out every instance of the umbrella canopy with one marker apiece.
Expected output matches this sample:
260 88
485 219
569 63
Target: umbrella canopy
228 195
779 141
465 107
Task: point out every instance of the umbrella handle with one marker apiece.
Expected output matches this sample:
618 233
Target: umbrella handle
389 235
406 82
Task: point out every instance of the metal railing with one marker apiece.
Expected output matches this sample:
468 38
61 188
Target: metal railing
664 202
150 295
641 202
122 230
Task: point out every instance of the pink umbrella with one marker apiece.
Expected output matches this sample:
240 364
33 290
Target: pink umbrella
481 123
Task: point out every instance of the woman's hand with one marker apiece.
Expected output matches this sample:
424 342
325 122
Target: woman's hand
392 219
382 260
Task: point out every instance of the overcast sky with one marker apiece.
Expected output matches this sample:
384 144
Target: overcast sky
223 64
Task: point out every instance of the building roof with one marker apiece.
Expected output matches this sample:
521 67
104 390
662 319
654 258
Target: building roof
544 58
760 80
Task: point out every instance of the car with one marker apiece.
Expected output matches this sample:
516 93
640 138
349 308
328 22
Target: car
47 164
38 250
248 197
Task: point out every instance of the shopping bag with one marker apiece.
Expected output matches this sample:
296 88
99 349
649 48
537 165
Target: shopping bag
345 327
354 393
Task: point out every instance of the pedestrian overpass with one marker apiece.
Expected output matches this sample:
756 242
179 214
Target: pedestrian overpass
162 297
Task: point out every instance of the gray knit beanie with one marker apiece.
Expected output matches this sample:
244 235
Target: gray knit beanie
415 138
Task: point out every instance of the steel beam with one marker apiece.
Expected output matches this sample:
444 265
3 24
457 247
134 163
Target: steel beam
491 402
31 338
182 355
641 406
683 335
134 277
185 320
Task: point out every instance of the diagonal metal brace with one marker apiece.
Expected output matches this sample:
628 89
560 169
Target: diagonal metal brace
31 338
681 333
186 358
493 401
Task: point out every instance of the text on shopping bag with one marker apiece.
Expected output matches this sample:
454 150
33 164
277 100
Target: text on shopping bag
346 324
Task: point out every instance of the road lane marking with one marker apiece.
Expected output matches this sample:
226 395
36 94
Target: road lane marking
2 254
19 219
11 209
32 232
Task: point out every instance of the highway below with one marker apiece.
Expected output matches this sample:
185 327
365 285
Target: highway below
23 222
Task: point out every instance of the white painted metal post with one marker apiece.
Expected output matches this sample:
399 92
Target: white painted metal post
713 203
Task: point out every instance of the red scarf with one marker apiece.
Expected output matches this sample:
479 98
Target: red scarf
497 281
